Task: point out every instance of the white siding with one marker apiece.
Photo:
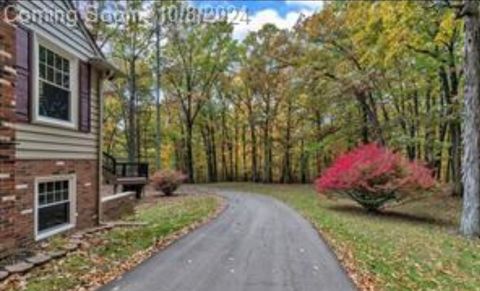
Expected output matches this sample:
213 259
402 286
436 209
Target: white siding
36 141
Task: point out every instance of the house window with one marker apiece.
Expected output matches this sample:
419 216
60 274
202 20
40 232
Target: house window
54 85
55 205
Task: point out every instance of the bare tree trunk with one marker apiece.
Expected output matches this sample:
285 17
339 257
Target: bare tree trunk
132 115
455 125
455 154
365 133
439 153
235 148
287 165
189 152
416 124
230 162
224 174
450 91
303 163
225 147
145 137
318 128
267 151
429 133
180 162
244 153
157 98
370 118
470 222
214 152
254 152
208 153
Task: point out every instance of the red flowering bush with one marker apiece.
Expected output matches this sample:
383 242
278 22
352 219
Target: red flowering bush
373 176
168 181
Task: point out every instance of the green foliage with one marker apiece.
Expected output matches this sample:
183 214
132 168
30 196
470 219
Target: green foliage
284 101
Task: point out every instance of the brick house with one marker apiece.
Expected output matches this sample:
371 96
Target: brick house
51 76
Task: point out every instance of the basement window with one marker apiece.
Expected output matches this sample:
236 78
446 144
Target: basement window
55 198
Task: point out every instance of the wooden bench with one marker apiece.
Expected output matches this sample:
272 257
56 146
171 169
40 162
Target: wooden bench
130 176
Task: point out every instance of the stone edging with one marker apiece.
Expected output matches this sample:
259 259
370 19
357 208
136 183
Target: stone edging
40 258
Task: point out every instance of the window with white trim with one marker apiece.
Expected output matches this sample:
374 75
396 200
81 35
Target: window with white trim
53 85
55 205
55 82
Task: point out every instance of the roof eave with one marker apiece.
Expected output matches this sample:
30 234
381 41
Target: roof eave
82 25
108 68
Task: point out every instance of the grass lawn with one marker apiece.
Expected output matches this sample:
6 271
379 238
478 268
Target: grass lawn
112 251
413 246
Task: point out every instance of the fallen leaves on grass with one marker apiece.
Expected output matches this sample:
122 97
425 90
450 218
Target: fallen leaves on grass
363 280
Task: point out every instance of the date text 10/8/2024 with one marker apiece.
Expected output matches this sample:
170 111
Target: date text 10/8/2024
206 13
174 14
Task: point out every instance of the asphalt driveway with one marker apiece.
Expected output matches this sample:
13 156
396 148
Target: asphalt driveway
257 244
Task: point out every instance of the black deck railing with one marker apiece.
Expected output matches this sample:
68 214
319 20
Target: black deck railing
124 169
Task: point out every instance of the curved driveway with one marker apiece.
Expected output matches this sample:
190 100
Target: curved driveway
257 244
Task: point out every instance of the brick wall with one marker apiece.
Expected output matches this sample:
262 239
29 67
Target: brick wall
86 192
17 176
7 135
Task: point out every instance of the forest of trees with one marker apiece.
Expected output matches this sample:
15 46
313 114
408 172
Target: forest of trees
279 105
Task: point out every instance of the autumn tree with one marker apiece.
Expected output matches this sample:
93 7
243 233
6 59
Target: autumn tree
196 55
470 223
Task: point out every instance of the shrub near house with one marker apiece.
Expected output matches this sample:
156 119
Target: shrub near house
373 176
168 181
